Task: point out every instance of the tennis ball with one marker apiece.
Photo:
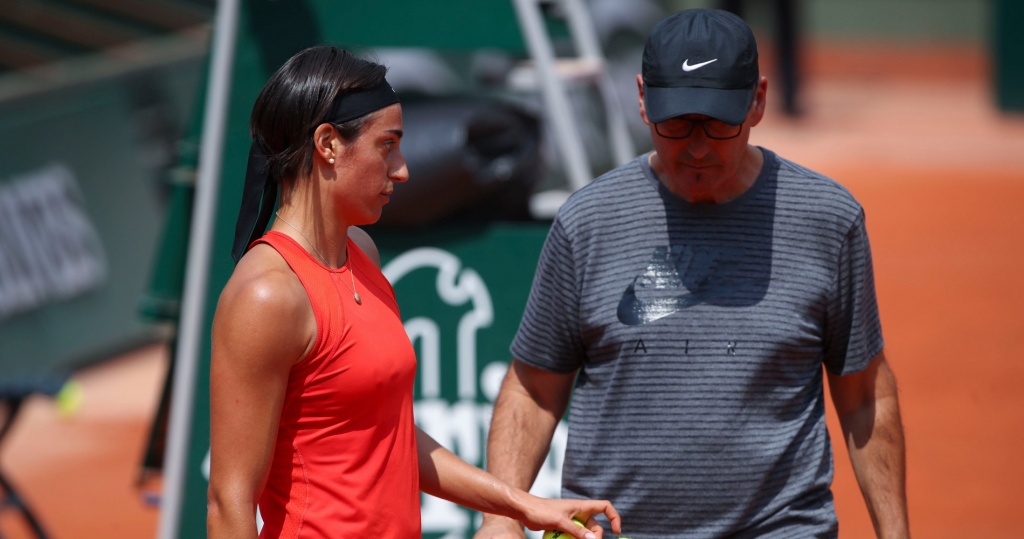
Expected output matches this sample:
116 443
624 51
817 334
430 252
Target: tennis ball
556 534
69 399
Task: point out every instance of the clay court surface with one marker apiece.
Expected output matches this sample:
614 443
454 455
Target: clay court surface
941 175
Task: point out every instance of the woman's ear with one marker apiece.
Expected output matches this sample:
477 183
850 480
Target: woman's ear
326 142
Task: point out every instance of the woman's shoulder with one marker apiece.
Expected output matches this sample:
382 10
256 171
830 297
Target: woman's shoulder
262 279
261 293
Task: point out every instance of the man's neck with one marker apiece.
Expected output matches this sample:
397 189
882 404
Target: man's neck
723 190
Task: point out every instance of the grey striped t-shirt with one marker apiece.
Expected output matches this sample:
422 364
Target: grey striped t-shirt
700 332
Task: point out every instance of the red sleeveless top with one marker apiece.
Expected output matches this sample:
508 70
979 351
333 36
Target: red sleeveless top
345 460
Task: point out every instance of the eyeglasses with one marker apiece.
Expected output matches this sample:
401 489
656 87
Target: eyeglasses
682 128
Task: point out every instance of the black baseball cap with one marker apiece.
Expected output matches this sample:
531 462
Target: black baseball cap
700 61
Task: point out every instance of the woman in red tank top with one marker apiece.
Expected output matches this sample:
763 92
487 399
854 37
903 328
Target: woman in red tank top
311 377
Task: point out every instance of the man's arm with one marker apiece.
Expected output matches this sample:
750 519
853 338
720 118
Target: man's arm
869 413
528 408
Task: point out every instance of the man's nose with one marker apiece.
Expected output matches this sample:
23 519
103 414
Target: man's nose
698 144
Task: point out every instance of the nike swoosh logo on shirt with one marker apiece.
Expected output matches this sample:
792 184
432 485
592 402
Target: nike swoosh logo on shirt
633 311
687 67
679 277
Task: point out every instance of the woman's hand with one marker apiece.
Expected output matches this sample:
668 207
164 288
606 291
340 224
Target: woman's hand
557 514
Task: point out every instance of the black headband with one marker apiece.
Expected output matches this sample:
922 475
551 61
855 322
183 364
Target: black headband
259 194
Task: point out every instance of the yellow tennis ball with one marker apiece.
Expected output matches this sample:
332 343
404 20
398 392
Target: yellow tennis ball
69 398
556 534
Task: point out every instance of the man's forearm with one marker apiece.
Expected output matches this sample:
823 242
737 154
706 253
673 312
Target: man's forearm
517 445
518 441
528 408
525 417
874 437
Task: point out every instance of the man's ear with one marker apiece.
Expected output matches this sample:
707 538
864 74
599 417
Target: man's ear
760 101
640 98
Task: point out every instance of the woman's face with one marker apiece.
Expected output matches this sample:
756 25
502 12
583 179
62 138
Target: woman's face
369 167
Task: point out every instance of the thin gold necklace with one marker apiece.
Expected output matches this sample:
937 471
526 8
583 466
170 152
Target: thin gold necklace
323 259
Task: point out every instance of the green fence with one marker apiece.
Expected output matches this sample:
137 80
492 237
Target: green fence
81 201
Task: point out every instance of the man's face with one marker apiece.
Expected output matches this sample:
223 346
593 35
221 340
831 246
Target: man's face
700 167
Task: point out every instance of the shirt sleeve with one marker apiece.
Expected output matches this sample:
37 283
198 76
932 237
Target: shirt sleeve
853 330
548 337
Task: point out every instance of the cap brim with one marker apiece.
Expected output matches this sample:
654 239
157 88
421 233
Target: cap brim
729 106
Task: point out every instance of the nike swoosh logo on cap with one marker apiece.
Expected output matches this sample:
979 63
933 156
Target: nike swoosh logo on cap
687 67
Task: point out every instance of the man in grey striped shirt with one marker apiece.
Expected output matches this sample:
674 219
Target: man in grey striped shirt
691 303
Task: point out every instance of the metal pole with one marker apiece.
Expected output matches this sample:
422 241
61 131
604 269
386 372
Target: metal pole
557 104
198 266
589 47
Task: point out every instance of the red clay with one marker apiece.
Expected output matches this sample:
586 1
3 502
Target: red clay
78 471
948 257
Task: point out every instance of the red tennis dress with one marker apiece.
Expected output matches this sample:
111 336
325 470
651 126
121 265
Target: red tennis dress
345 461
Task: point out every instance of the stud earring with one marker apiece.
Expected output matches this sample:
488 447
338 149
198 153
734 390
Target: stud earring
330 160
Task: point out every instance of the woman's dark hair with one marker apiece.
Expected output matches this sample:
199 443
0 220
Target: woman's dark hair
298 97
